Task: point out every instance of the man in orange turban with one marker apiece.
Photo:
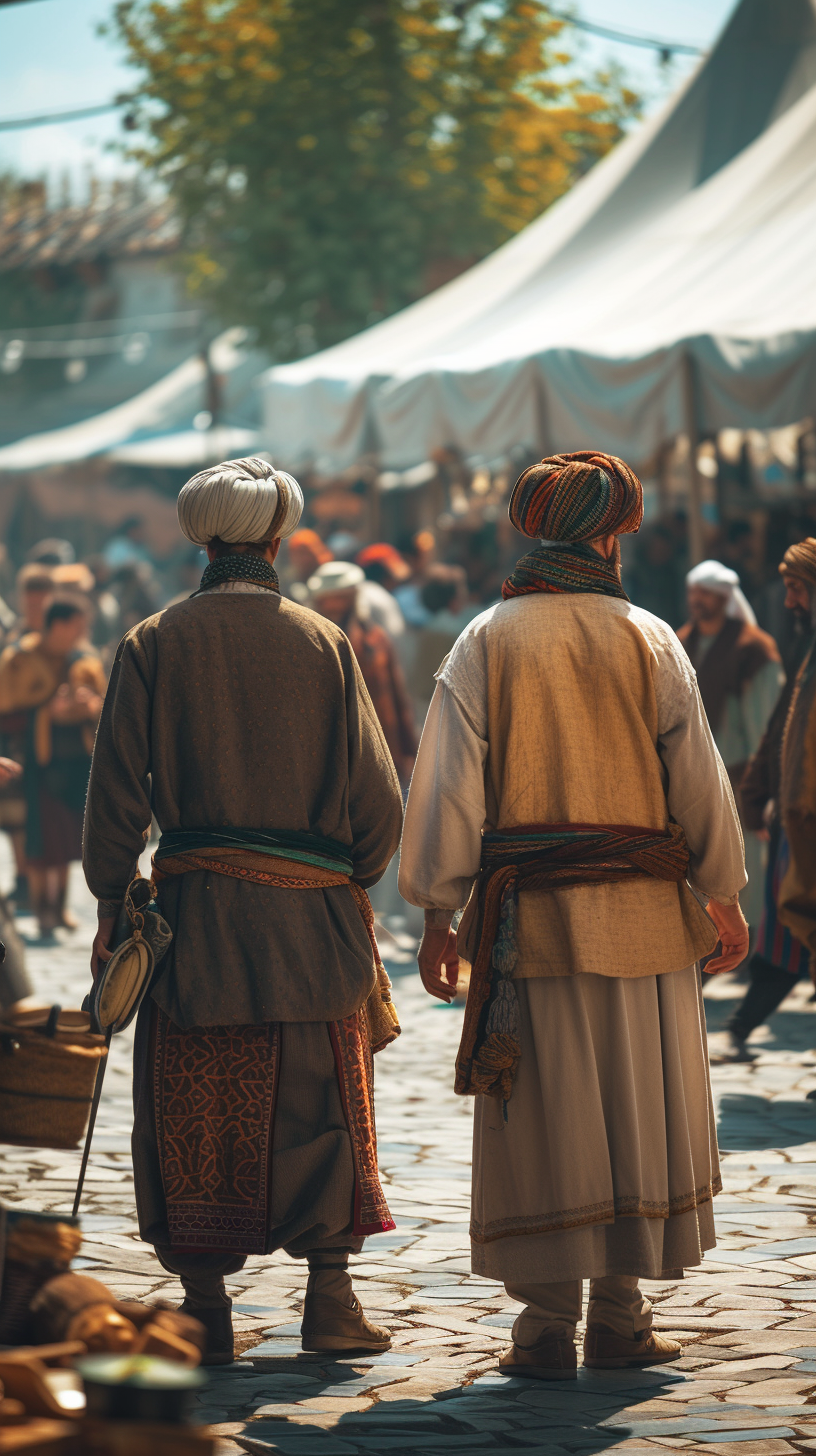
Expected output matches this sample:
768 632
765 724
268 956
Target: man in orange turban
568 790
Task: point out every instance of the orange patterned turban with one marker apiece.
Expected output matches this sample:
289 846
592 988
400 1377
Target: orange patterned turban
800 561
577 497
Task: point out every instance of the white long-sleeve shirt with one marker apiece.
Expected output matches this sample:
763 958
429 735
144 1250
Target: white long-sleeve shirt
598 704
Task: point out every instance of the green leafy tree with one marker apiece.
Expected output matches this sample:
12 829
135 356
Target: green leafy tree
333 159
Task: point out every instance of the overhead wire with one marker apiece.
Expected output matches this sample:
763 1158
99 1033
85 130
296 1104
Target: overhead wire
666 48
21 123
626 37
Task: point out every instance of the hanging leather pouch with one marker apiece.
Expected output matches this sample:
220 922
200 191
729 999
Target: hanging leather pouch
141 939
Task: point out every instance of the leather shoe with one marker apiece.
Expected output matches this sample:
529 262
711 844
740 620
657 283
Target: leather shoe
329 1324
219 1348
604 1350
550 1359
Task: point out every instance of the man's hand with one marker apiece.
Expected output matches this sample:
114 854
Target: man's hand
100 955
9 770
80 705
733 931
439 963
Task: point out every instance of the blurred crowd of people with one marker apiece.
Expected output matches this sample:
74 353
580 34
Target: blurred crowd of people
61 620
749 688
60 624
402 608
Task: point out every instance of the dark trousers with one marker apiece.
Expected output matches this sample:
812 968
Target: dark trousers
312 1174
202 1275
769 986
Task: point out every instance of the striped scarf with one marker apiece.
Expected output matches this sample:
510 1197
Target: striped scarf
565 566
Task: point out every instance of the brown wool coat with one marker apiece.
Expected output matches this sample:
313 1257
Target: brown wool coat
246 711
797 893
737 654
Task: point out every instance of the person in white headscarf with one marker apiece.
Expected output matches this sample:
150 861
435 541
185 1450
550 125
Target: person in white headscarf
740 675
240 720
722 582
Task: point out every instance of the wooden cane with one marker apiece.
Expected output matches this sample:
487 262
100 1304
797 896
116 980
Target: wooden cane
100 1077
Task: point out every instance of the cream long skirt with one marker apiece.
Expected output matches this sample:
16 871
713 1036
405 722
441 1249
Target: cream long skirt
604 1161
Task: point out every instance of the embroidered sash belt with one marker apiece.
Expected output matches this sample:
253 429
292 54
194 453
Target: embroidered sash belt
290 844
540 857
292 861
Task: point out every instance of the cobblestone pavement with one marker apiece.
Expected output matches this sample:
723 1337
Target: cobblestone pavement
746 1382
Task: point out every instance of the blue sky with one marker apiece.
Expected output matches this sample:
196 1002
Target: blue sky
52 58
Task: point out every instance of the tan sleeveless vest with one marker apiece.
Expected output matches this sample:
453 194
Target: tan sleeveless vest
572 729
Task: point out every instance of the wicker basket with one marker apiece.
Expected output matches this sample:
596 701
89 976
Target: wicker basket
46 1085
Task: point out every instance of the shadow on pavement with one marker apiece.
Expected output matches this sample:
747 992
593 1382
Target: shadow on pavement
748 1122
588 1413
792 1028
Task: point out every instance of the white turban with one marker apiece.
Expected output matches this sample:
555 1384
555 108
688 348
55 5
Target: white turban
334 576
713 576
240 500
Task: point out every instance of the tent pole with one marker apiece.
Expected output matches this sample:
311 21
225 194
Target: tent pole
663 465
374 506
695 512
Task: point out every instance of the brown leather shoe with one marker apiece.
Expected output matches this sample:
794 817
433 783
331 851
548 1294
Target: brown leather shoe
329 1324
604 1350
548 1360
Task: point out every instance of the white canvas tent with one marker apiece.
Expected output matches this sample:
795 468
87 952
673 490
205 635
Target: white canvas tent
155 428
673 288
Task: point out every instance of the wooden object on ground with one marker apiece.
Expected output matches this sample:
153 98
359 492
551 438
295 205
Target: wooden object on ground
12 1412
164 1316
77 1307
34 1247
144 1438
162 1342
26 1375
37 1437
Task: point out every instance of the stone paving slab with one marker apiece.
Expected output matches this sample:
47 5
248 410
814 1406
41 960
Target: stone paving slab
746 1382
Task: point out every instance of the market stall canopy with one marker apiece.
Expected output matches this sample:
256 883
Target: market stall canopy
188 448
692 240
155 428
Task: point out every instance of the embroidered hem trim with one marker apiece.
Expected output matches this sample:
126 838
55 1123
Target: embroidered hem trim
355 1077
630 1206
214 1091
214 1095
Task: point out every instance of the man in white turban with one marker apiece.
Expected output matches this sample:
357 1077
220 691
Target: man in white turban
740 676
241 722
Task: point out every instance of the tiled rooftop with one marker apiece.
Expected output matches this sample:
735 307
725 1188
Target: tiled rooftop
113 223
